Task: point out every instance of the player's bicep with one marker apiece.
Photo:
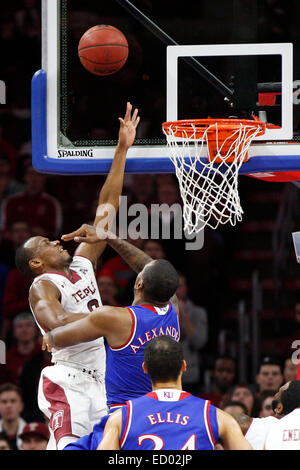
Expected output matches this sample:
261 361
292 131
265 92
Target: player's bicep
112 432
44 299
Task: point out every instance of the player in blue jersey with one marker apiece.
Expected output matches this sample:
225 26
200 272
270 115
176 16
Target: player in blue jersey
168 418
126 330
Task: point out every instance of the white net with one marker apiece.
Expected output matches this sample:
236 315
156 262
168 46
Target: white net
208 180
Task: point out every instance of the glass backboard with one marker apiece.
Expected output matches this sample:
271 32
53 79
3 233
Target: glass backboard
229 59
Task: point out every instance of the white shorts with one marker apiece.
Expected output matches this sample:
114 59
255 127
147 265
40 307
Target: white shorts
73 401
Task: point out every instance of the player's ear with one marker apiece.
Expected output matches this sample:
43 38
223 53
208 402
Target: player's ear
279 409
139 283
183 366
35 264
144 368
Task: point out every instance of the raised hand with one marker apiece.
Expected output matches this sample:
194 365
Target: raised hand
128 127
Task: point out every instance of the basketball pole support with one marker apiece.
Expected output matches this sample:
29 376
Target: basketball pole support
166 39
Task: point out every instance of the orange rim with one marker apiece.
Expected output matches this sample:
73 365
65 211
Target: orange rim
196 127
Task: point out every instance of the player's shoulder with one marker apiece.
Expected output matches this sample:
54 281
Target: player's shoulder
263 423
42 285
82 262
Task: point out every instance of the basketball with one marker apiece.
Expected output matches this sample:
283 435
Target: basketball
103 50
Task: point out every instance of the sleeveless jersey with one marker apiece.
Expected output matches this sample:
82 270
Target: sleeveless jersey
169 419
258 430
78 295
125 378
285 434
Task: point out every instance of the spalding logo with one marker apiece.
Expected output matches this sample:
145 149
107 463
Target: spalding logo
75 153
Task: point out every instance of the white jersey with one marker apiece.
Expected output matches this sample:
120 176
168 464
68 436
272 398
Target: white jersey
258 430
79 295
285 435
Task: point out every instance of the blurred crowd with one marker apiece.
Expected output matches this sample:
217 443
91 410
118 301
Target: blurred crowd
33 203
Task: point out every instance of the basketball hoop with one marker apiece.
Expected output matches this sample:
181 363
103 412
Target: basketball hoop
207 155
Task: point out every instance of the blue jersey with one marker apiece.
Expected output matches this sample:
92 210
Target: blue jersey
169 419
125 378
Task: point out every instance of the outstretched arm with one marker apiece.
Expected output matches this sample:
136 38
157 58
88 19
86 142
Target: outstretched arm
92 235
114 323
132 255
111 191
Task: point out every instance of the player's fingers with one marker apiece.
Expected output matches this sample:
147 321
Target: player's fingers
128 111
135 118
81 239
87 239
72 235
137 121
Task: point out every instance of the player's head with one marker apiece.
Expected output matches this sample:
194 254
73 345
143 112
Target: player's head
38 255
163 360
157 282
287 399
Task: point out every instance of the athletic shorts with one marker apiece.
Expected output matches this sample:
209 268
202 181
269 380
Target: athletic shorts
72 400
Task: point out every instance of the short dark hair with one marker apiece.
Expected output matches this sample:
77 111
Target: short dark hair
160 281
269 361
9 387
22 258
163 358
237 403
290 398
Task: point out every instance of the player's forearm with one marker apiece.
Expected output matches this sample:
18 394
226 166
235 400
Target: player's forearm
66 318
72 333
112 188
132 255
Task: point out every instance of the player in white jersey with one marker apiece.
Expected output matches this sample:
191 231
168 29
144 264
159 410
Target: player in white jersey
285 434
72 392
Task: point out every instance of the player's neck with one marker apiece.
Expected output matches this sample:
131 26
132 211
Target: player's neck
165 387
143 301
59 269
177 385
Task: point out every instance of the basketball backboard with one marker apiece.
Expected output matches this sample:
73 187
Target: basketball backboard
192 63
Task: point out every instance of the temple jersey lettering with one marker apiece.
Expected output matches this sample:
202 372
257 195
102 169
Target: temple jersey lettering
125 378
78 295
169 419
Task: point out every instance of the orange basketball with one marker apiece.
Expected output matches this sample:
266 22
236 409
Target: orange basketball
103 50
